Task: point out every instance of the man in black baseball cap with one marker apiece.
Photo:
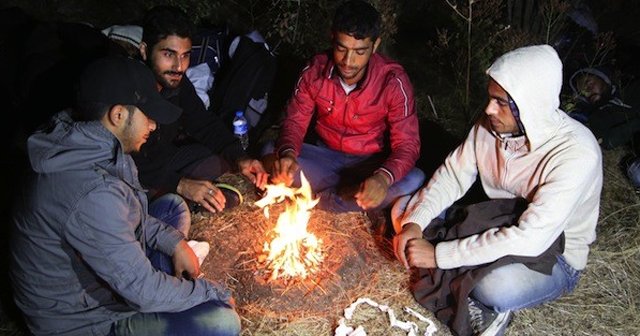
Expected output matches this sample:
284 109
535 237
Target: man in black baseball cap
126 81
86 257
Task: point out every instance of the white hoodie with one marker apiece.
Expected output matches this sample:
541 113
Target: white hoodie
556 167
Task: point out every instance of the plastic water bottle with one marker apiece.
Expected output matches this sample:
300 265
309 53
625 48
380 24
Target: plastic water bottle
241 129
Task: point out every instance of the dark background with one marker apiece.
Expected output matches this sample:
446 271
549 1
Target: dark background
426 36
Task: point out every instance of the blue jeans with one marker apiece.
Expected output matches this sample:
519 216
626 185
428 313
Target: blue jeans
515 287
209 318
335 177
633 172
173 210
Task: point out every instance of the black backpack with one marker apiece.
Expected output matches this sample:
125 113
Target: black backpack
210 45
244 69
244 83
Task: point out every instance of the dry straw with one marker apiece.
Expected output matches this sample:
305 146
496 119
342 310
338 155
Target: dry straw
604 303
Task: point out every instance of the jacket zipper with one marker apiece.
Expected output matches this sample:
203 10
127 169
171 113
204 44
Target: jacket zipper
344 121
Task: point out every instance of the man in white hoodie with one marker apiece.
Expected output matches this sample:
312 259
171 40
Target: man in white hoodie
524 146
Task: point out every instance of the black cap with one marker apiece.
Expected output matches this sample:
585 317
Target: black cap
122 80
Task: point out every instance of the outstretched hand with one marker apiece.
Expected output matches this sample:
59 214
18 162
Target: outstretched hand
203 192
372 191
284 170
254 171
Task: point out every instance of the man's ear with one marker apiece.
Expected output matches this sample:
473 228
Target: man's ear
116 116
376 44
143 51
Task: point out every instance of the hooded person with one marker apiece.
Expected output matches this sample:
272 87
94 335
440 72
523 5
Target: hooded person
87 256
523 147
600 107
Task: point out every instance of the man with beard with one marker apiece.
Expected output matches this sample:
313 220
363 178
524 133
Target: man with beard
365 121
187 155
529 243
88 256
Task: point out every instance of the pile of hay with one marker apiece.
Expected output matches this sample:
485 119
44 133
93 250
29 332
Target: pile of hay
360 264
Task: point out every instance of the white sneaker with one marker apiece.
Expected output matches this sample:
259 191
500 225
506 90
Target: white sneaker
201 249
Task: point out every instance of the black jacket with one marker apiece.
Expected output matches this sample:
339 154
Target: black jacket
160 168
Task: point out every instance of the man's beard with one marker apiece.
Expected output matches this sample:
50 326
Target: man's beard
171 83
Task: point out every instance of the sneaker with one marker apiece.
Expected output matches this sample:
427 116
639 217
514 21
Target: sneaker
487 322
625 163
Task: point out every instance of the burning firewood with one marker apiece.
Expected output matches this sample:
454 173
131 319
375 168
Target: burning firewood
293 252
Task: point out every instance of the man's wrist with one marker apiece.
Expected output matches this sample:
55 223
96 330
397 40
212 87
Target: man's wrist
179 187
287 152
388 177
243 160
384 176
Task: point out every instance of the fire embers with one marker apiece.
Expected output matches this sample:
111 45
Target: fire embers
293 252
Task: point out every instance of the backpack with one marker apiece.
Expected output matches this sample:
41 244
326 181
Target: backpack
243 83
209 45
242 68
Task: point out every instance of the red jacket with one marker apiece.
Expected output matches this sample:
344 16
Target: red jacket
378 114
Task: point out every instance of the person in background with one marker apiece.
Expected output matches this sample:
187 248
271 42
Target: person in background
523 147
87 254
611 114
599 106
187 155
365 120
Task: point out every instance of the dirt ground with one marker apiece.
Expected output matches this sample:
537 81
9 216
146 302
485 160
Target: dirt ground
355 258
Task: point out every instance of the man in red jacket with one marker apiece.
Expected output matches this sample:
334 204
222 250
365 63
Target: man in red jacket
365 120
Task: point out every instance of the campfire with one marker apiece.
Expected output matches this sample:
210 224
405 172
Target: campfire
293 252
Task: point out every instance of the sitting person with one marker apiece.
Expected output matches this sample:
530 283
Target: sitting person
365 120
545 166
600 108
86 256
187 155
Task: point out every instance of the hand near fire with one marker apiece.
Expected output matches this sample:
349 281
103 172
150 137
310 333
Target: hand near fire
372 191
254 171
202 192
412 250
185 262
284 169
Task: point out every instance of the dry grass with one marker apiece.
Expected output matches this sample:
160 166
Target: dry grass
604 303
358 263
607 297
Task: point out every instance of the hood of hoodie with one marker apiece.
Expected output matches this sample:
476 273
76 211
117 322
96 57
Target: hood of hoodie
532 76
600 72
70 146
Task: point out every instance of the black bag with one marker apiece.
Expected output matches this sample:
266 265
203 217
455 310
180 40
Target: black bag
210 45
243 83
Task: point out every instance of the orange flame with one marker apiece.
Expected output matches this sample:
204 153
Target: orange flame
293 252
